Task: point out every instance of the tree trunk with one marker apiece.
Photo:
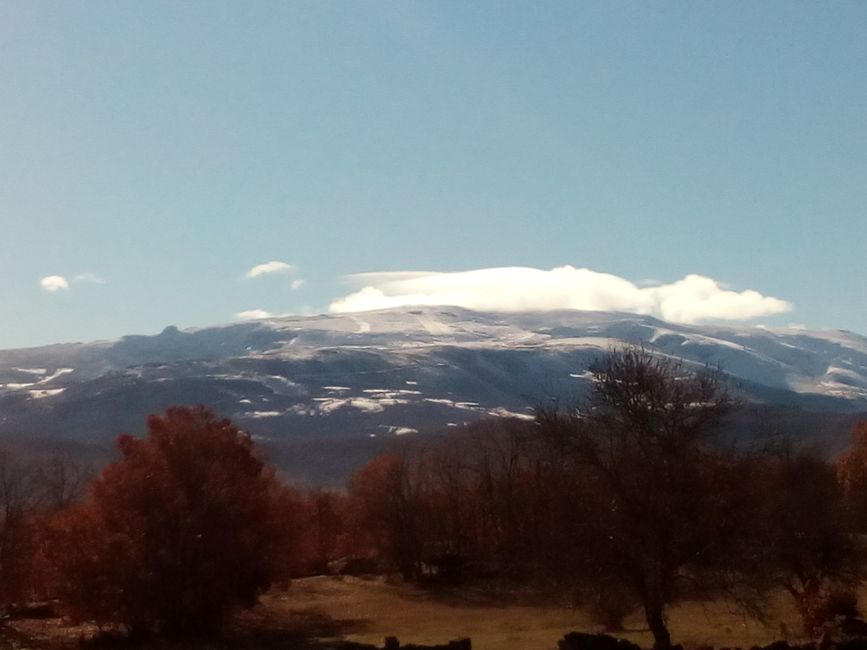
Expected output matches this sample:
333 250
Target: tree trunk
653 613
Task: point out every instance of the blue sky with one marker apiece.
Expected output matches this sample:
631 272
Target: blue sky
152 154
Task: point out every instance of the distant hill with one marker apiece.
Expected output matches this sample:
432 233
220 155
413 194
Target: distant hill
303 381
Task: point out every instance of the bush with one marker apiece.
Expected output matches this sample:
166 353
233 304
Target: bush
610 604
181 531
828 607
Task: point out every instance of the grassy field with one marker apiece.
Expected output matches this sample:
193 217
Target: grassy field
369 610
315 613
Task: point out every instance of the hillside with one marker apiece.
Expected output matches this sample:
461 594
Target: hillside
305 380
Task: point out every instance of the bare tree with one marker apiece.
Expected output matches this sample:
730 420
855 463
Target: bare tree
62 482
802 537
643 439
18 501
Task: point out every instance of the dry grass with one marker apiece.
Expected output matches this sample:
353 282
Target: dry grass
373 609
315 613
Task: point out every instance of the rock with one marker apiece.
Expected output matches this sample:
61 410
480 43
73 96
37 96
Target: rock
584 641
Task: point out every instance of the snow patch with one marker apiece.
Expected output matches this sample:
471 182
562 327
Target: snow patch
57 373
383 392
367 405
45 392
363 326
32 371
501 412
398 430
364 404
434 327
466 406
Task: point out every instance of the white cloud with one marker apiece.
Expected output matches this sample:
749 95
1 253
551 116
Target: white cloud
89 277
268 268
253 314
693 299
54 283
296 284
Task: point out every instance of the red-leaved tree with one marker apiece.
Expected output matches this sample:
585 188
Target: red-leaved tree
188 526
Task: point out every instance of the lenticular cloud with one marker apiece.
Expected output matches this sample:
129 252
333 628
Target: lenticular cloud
693 299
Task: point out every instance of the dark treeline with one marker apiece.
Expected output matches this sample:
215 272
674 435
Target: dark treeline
627 501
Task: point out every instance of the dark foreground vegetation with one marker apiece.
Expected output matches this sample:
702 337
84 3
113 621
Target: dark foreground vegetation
628 501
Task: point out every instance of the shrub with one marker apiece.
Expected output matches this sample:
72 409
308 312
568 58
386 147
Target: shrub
829 606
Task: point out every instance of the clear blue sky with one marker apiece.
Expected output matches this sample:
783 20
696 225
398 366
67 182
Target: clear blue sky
169 147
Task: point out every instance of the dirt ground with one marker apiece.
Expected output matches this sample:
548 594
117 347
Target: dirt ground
315 613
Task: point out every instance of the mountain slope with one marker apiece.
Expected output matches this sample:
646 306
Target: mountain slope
396 371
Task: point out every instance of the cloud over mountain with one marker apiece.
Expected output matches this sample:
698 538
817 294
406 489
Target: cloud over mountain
692 299
253 314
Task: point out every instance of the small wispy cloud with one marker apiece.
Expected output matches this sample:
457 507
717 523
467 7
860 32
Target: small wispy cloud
88 277
54 283
296 284
692 299
268 268
253 314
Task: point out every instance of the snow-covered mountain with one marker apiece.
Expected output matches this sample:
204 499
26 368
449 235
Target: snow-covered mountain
396 371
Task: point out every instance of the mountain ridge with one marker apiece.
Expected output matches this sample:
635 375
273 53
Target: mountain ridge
397 371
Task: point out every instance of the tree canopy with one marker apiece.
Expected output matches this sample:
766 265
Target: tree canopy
185 528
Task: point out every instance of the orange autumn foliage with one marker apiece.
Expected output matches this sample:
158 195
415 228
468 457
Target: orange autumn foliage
187 527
